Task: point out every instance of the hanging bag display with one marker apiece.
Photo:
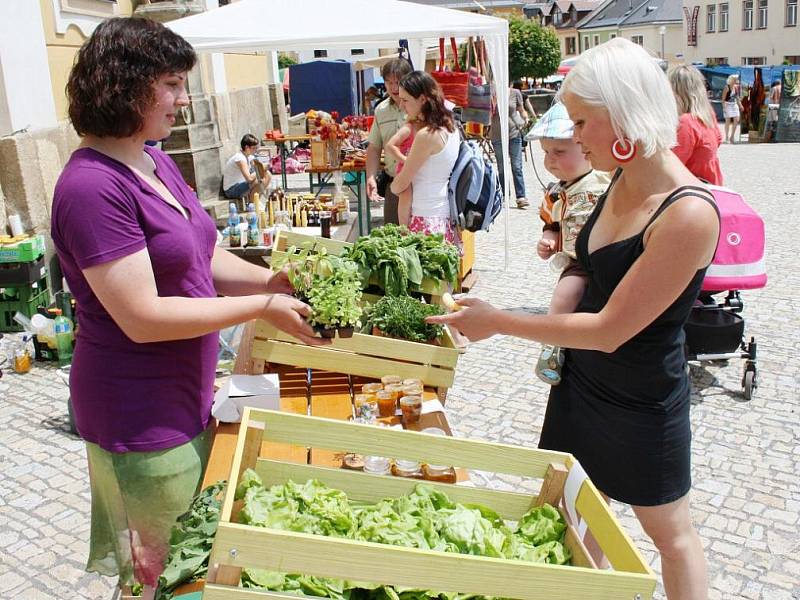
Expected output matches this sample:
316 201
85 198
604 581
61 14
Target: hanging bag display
480 100
455 83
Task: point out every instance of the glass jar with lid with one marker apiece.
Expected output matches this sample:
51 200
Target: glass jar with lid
407 468
387 403
389 379
439 473
377 465
411 407
371 388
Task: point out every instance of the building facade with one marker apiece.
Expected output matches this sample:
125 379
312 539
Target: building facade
229 93
747 32
655 25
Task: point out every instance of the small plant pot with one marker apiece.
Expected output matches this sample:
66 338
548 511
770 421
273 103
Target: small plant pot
326 332
346 332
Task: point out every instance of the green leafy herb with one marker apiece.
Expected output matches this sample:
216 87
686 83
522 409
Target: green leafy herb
336 300
398 260
404 317
190 541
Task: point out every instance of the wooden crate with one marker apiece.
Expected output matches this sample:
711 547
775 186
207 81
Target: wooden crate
237 546
365 355
286 239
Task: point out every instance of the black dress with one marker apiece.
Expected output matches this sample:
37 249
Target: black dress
625 415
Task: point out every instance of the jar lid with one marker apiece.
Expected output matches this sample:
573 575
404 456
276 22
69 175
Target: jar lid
376 464
411 400
406 465
434 431
438 469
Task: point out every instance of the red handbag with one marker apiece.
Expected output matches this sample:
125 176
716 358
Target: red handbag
455 83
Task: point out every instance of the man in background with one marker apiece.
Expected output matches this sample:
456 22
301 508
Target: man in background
388 119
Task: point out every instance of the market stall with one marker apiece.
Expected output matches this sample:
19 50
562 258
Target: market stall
282 25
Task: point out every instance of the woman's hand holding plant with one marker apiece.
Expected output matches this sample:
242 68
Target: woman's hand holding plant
278 282
289 315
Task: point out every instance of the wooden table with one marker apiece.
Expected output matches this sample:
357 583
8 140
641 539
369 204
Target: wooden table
282 143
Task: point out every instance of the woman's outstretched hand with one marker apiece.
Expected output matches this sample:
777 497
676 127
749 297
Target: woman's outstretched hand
289 314
477 319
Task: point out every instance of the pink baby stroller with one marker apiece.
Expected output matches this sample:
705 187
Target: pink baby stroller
715 329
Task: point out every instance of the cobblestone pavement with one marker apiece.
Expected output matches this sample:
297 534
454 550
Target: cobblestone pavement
746 495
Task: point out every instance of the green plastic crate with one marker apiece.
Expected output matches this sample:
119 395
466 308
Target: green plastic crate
23 292
27 307
25 251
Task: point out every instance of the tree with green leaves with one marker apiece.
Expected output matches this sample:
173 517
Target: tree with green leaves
284 60
533 50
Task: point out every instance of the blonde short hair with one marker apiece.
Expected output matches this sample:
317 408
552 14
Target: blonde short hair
689 87
624 79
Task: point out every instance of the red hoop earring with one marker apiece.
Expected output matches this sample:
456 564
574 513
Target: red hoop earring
623 150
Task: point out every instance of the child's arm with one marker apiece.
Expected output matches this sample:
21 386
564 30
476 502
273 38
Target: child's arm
547 245
393 145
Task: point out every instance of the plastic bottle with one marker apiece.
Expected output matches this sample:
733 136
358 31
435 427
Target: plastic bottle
233 226
63 331
243 228
253 232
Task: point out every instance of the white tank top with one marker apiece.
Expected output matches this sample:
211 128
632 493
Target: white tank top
429 193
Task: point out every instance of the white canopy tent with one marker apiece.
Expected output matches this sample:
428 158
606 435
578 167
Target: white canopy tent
253 25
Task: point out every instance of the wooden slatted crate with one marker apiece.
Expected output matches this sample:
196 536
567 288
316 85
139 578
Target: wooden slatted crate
365 355
238 546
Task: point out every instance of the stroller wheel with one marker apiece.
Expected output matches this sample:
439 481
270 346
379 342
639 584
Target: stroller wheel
749 384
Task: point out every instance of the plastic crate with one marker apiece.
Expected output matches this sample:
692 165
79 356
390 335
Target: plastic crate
23 292
27 307
21 273
26 250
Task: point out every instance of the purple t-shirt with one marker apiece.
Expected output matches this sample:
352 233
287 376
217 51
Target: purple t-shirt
128 396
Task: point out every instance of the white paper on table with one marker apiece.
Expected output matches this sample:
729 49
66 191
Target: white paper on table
572 486
259 391
428 406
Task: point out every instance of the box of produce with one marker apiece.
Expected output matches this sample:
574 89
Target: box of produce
21 248
372 335
391 258
304 530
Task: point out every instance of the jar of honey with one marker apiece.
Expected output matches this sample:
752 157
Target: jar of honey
411 390
439 473
407 468
413 381
394 388
411 406
371 388
366 406
387 403
390 379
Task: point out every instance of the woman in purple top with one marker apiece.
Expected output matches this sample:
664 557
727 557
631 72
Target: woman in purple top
139 254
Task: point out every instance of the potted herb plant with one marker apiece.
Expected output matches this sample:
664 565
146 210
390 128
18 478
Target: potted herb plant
335 301
404 317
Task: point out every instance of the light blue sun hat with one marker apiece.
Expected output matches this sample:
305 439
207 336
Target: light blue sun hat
555 124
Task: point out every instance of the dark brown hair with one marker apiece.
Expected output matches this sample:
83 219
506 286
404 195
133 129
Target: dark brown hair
110 87
397 67
248 141
434 113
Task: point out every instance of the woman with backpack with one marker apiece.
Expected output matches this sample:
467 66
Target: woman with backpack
430 159
622 407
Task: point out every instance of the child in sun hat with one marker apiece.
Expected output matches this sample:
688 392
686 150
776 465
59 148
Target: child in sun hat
565 208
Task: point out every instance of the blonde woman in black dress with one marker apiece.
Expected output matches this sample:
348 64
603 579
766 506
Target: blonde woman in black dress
622 407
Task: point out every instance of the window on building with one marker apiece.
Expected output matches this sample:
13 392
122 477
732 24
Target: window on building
320 54
762 13
793 59
723 16
754 60
597 40
585 42
356 51
711 18
717 60
747 14
570 46
612 36
791 13
638 39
